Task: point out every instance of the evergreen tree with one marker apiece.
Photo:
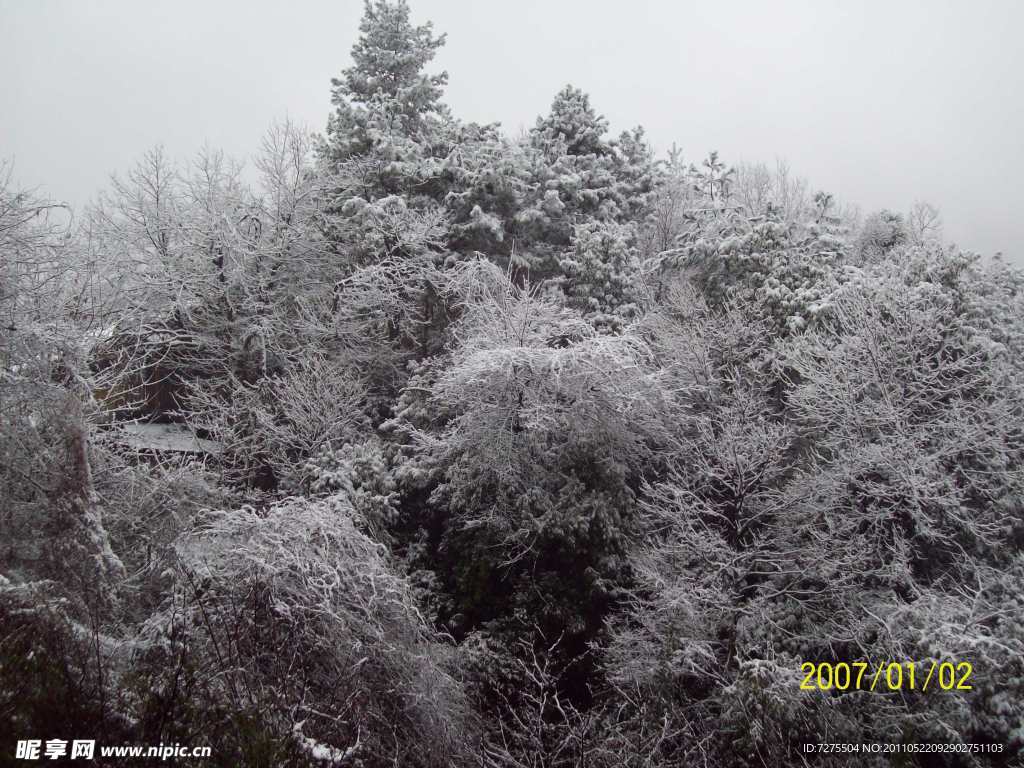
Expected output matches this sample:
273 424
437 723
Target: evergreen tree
601 274
580 176
713 176
574 123
386 90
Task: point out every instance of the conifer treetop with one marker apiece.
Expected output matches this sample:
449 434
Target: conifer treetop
388 61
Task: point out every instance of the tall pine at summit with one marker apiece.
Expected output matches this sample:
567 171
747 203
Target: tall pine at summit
386 90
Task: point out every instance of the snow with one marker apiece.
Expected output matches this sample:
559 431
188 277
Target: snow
320 751
173 438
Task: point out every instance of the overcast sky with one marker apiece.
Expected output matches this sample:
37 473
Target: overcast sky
881 103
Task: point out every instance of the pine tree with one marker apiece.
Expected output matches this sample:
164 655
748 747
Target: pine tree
579 176
713 177
575 123
601 275
386 90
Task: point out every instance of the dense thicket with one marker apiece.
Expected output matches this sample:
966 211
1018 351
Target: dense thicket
508 452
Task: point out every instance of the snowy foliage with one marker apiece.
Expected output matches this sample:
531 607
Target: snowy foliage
602 274
385 91
500 451
293 615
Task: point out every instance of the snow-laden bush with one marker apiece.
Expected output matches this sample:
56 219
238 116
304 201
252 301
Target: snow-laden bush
287 632
362 473
58 671
268 430
788 272
522 463
601 276
870 511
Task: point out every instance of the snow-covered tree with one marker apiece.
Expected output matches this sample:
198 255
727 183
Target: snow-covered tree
831 525
880 233
386 91
500 451
580 176
713 177
525 444
924 223
52 307
601 275
293 622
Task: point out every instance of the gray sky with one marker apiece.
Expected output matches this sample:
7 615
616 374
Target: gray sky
881 103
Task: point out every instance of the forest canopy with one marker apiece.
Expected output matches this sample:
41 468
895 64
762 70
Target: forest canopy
435 446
